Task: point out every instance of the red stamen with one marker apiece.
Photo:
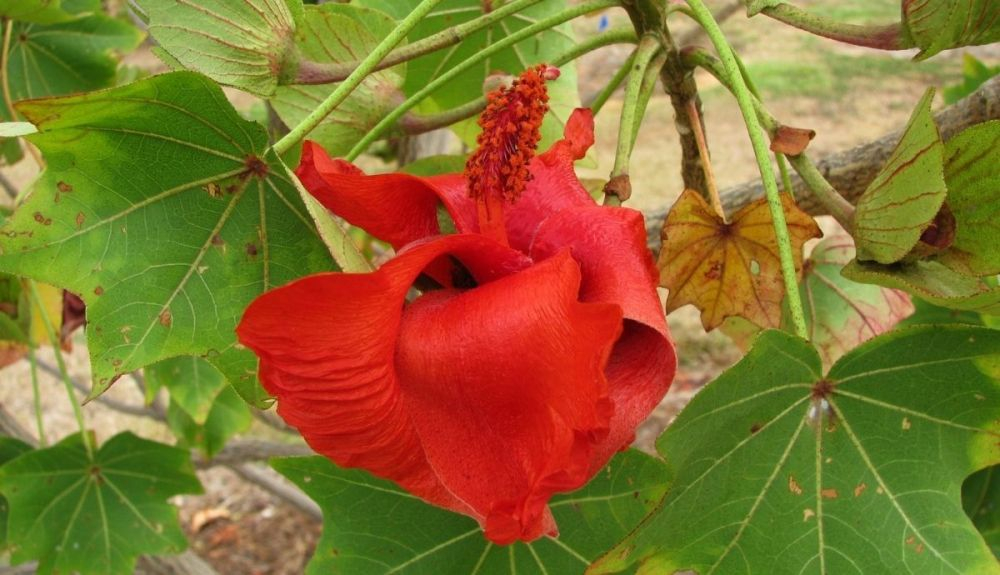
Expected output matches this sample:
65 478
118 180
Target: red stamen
498 171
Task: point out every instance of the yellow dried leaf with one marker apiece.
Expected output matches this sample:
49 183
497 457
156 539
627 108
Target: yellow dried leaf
52 304
728 269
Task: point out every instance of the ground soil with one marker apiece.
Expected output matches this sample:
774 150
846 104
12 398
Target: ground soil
242 529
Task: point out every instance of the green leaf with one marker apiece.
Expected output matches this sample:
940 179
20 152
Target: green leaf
228 416
930 281
37 11
74 56
341 33
972 171
925 312
857 472
842 314
563 95
371 526
937 25
9 449
15 129
94 514
246 44
192 381
168 243
974 75
907 193
981 500
436 165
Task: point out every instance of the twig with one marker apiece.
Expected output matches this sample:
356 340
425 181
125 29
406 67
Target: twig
129 409
706 161
271 419
238 451
271 481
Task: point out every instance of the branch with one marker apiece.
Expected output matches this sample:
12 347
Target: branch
271 481
851 171
239 451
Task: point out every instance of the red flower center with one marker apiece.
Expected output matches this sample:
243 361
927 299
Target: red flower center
498 171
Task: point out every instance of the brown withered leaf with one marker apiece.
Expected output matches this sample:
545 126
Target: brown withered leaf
791 141
728 269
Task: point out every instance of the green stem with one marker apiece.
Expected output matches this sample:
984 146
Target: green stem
365 68
327 72
36 396
826 196
882 37
528 31
604 95
649 79
50 330
786 178
745 100
632 109
418 124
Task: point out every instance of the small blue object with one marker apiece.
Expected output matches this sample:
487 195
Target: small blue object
602 24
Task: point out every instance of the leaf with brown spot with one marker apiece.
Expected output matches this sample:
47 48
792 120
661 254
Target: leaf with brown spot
158 242
728 269
875 499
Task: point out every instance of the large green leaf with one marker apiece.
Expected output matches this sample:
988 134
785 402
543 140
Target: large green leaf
972 171
9 449
227 416
166 212
73 56
242 43
981 499
192 381
468 86
37 11
780 469
907 193
339 33
937 25
931 281
371 526
94 514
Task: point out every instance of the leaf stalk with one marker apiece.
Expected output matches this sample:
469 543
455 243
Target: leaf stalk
366 67
761 150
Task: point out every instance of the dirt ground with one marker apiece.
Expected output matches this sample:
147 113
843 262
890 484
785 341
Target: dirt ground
857 96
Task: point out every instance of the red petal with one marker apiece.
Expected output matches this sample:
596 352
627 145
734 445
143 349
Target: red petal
397 208
617 267
505 385
327 344
554 185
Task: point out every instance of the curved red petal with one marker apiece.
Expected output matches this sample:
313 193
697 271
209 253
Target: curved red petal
617 267
327 344
397 208
505 385
554 185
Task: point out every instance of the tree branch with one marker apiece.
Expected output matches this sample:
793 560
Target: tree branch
851 171
271 481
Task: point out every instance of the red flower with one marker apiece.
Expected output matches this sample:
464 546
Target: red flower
542 348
